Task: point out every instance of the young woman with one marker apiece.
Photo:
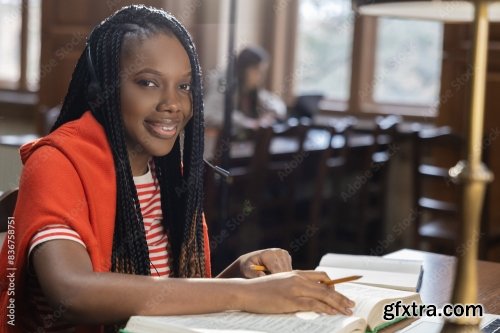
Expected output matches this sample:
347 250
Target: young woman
109 219
254 105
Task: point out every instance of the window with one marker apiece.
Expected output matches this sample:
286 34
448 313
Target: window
20 40
324 48
399 61
408 62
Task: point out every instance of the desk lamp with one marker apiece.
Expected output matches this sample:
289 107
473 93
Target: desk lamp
470 172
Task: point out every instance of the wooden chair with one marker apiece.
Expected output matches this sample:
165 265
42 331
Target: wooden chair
247 178
321 207
437 200
375 190
7 205
244 187
285 161
364 188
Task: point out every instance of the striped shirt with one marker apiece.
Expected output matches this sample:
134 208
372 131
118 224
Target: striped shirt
148 191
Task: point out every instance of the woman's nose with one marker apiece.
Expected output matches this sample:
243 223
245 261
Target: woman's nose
170 101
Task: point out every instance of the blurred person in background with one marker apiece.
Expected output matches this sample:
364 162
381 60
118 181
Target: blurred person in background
254 105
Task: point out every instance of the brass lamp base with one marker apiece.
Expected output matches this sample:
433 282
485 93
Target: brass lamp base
450 327
474 176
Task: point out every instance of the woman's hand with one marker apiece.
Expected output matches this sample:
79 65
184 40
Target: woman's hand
275 261
292 292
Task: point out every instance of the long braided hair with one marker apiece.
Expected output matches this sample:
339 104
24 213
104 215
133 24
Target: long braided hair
181 187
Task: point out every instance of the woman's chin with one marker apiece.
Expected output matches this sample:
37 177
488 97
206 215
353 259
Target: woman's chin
161 151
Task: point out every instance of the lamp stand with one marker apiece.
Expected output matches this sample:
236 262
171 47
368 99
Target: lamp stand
474 175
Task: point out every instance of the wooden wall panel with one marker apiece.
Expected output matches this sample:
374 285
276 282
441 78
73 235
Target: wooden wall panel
72 12
492 143
454 107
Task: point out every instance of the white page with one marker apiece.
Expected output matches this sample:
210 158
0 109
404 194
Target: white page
371 263
366 298
246 322
402 281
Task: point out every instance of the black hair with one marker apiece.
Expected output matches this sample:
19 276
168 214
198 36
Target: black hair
249 57
181 187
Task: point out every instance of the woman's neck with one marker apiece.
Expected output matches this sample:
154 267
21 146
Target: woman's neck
138 163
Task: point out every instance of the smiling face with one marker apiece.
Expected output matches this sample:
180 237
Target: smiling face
156 101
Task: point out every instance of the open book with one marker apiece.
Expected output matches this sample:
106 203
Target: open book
375 271
368 315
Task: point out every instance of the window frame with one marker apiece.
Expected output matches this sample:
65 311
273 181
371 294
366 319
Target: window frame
20 85
362 78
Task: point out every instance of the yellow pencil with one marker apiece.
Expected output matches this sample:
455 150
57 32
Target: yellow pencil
345 279
259 268
262 268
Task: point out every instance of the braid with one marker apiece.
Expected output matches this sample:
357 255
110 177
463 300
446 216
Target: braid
191 257
181 189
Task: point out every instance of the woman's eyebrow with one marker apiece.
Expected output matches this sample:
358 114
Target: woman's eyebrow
154 71
149 70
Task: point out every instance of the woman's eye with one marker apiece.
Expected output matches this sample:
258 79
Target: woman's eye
147 83
186 86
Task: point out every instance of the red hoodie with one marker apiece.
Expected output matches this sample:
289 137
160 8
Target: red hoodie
68 177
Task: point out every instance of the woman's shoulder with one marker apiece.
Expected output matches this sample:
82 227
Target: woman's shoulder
77 139
79 147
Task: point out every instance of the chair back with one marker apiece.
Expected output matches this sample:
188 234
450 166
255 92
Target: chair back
436 198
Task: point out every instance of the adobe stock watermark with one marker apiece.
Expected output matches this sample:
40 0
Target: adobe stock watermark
296 161
61 53
394 63
446 94
11 271
299 242
395 233
231 225
362 179
109 90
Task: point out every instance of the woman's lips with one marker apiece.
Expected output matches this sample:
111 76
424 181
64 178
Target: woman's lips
162 130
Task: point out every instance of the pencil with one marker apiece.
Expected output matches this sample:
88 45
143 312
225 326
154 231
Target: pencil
262 268
259 268
345 279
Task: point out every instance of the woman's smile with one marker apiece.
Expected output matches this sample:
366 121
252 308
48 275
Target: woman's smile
163 129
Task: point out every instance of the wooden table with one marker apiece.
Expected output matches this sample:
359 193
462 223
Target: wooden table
439 272
437 283
316 139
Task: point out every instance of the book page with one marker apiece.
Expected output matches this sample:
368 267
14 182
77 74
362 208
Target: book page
370 301
304 322
364 297
401 281
371 263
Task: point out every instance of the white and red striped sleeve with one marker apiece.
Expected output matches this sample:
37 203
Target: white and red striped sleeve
53 232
